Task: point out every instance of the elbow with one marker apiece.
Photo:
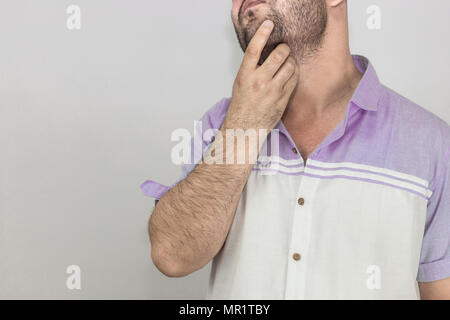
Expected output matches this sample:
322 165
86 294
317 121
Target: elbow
167 266
168 262
160 256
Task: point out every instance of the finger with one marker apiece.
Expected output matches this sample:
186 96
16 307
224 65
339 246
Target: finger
289 89
275 60
285 72
291 84
256 46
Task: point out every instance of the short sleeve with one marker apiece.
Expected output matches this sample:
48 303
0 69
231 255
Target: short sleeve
435 255
205 131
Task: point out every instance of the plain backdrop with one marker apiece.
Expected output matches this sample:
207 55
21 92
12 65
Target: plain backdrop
86 116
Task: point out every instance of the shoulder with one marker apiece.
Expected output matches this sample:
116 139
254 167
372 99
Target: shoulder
415 134
415 123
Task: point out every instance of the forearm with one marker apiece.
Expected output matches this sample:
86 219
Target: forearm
190 223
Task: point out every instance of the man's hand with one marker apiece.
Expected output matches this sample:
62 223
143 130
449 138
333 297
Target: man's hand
261 93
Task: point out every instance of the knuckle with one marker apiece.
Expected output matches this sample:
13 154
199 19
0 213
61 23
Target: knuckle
290 65
259 84
252 50
278 57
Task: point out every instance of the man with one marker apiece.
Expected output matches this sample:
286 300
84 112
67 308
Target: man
354 204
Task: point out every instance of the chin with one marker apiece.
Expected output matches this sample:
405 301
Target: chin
255 16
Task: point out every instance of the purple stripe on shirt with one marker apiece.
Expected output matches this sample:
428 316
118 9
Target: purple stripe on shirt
368 171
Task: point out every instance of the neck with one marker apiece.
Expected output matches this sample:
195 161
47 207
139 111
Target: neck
327 78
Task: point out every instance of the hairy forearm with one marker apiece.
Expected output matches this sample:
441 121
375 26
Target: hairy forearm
190 223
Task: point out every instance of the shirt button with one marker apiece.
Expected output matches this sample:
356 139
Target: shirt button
294 150
297 257
301 201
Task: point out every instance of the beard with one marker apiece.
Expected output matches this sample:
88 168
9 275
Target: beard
301 24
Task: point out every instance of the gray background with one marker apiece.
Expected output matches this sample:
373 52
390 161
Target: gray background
86 116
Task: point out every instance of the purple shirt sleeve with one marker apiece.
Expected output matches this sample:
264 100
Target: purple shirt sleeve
435 256
212 120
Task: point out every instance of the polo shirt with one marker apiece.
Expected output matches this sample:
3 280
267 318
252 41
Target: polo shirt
366 217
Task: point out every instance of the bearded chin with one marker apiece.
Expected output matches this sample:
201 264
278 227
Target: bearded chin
302 27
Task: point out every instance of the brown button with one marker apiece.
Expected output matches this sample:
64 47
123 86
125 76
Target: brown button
301 201
294 150
296 256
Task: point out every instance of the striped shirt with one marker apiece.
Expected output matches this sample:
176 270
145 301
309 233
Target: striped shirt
366 218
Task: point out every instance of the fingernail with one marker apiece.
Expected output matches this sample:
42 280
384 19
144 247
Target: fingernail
268 24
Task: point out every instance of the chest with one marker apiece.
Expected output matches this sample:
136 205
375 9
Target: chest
307 136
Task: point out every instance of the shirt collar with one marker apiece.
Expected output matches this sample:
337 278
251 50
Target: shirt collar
368 93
